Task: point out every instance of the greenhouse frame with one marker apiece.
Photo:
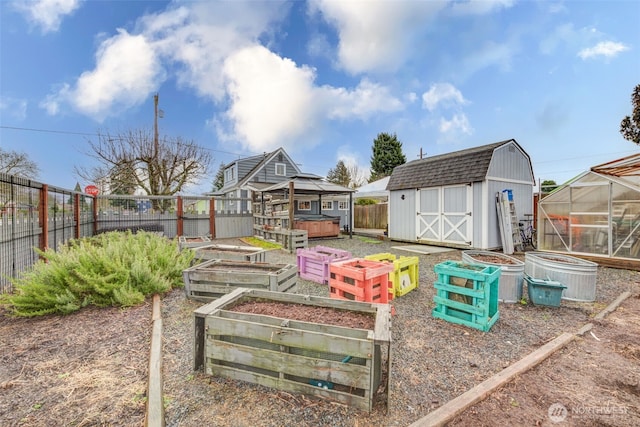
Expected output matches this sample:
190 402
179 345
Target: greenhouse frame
596 213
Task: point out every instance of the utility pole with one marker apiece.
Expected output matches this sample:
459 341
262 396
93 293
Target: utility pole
155 125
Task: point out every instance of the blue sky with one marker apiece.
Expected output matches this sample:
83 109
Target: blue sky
320 78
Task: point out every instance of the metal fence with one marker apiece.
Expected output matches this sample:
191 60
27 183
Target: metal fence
34 216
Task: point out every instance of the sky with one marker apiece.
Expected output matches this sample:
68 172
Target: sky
320 79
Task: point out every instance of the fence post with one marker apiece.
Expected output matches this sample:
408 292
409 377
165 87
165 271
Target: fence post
44 217
212 218
95 215
76 215
179 212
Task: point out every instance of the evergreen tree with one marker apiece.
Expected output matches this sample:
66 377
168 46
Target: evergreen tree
387 154
218 181
339 175
630 125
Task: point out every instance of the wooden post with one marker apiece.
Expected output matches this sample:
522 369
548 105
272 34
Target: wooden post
44 217
291 205
76 215
212 218
179 213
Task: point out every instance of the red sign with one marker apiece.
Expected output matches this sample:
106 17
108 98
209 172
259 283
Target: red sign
92 190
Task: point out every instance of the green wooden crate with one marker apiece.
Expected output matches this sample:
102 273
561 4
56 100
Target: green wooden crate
296 356
467 294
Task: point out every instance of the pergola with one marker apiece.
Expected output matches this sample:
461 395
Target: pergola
309 185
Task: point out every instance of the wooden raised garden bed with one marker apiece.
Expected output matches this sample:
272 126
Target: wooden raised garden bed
231 252
297 349
214 278
193 241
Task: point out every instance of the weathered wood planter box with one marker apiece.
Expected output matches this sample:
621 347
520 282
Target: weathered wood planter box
344 364
214 278
313 263
231 252
359 279
404 277
193 241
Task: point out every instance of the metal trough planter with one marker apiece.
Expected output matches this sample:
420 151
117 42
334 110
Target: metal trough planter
214 278
578 275
511 276
339 363
231 252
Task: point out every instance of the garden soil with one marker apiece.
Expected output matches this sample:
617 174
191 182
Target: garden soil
90 368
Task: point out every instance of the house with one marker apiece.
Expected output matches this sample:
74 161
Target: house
244 178
450 199
596 214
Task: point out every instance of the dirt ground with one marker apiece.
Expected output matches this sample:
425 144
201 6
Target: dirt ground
90 369
594 381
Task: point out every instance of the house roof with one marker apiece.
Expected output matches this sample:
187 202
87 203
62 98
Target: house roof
458 167
267 157
309 186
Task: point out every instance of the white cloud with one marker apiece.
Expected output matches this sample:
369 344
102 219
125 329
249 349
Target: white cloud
375 35
16 108
216 49
479 7
606 49
275 103
457 125
271 98
442 94
47 14
127 70
366 99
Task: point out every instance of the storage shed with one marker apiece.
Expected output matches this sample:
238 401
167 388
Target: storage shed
595 214
450 199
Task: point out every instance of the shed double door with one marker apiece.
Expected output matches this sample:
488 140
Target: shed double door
444 214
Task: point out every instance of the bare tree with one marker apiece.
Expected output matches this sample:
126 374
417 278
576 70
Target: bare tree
135 159
18 164
358 176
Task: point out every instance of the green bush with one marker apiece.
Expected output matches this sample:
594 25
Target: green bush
366 202
110 269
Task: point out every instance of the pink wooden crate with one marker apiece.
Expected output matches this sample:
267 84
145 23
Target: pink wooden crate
313 263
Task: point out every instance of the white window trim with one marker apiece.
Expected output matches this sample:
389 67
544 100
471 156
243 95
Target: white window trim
343 206
284 169
304 201
327 201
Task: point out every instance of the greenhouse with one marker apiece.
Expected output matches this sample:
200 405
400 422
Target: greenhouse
595 214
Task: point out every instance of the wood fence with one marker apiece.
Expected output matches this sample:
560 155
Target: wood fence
370 216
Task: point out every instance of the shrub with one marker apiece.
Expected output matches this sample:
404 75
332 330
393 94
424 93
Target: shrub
366 202
110 269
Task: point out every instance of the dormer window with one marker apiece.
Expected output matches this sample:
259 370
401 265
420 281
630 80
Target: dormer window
230 174
281 169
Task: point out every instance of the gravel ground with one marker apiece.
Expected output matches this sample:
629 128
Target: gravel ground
433 360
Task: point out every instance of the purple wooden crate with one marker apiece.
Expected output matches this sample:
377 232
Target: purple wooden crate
313 263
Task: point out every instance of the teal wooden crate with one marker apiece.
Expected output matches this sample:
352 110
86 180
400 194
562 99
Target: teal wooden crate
467 294
544 292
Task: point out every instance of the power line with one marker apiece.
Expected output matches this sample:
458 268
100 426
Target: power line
65 132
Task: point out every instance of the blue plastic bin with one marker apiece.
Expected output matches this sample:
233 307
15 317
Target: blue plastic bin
544 292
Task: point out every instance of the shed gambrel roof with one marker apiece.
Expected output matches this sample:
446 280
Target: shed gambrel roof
458 167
